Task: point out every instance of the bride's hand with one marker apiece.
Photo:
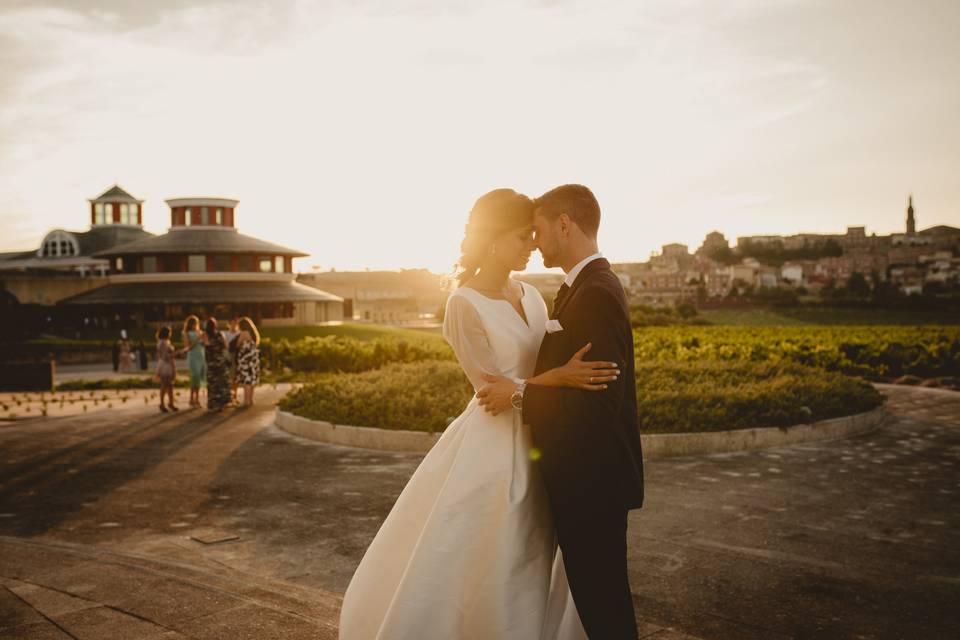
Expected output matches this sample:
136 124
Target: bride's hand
589 375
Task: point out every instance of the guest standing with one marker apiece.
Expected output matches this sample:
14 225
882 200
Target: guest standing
230 337
248 359
126 352
218 373
166 367
142 353
193 346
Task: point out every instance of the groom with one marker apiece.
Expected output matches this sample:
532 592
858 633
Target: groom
588 441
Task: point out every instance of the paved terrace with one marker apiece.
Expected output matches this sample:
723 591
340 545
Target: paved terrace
129 523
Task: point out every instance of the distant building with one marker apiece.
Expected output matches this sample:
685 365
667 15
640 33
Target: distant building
408 296
204 266
117 274
713 242
66 262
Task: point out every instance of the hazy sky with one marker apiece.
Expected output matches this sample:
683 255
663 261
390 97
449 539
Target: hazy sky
362 132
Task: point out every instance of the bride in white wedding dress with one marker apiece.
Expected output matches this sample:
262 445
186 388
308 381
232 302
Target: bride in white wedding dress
469 549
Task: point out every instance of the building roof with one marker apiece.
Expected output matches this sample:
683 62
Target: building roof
105 236
89 242
115 194
200 293
200 240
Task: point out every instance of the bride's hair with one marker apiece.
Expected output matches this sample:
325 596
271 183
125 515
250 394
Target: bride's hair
493 213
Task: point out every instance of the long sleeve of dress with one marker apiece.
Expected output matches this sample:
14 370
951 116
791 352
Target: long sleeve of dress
463 329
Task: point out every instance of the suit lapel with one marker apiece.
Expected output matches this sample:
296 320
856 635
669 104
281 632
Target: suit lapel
593 265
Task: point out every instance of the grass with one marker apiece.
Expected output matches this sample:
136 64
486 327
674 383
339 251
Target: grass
356 330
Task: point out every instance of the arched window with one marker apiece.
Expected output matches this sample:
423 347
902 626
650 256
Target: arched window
59 244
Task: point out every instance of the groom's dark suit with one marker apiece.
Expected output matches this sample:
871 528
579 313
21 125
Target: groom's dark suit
589 445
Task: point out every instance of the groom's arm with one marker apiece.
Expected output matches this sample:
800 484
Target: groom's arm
598 318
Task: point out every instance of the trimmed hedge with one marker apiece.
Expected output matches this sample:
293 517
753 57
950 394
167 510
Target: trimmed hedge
351 355
672 397
422 396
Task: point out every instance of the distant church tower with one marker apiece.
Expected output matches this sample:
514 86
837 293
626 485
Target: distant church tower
911 222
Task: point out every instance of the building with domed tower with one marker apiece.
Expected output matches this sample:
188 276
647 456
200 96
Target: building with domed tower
117 275
203 265
65 263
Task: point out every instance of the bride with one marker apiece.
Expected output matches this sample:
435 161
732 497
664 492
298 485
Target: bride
469 549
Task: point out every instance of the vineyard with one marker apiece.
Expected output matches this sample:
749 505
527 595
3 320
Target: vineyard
878 353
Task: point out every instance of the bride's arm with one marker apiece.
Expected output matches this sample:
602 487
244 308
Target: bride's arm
496 396
579 374
463 330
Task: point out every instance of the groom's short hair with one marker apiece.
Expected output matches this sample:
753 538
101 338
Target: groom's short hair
575 200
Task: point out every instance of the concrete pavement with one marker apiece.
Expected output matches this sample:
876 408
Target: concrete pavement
190 525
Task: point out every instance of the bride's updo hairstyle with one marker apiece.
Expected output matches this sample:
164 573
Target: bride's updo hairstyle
493 213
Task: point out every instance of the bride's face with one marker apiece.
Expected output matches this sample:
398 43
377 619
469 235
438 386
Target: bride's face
513 248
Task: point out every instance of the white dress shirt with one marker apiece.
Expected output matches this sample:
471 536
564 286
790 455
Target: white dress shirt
577 268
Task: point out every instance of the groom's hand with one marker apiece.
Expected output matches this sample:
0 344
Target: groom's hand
495 396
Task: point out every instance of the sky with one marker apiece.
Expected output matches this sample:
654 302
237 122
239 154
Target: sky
363 131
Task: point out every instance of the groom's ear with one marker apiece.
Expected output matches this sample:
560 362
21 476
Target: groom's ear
564 224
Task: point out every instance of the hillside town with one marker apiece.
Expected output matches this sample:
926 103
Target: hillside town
908 263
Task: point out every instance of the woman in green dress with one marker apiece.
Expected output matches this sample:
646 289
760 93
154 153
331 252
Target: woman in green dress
218 369
193 346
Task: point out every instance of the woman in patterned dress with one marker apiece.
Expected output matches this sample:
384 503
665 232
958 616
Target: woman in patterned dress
248 359
218 370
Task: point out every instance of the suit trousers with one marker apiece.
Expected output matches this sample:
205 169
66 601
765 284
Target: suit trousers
594 545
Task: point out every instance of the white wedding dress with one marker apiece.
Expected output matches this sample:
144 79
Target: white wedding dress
469 549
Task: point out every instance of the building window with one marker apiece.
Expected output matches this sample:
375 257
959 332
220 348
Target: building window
58 244
197 264
149 264
266 265
278 264
246 263
99 218
218 217
124 213
221 262
119 265
170 264
204 216
187 215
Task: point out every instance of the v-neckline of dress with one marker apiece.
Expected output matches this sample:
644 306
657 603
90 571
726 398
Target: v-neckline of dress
523 317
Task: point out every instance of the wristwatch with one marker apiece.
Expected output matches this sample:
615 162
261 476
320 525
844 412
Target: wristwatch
517 398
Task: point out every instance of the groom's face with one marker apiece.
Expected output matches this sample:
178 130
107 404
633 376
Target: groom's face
547 238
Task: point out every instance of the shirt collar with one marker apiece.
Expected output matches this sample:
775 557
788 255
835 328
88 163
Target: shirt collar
577 268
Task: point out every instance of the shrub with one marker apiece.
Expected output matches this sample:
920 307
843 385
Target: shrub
345 354
672 397
421 396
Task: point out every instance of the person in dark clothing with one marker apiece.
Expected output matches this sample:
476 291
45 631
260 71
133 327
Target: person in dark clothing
143 356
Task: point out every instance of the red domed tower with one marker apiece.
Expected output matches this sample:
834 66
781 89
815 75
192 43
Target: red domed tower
116 206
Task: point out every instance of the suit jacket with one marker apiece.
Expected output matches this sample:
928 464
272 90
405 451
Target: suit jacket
589 441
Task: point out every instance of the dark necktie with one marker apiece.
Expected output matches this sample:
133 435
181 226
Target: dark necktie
558 300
